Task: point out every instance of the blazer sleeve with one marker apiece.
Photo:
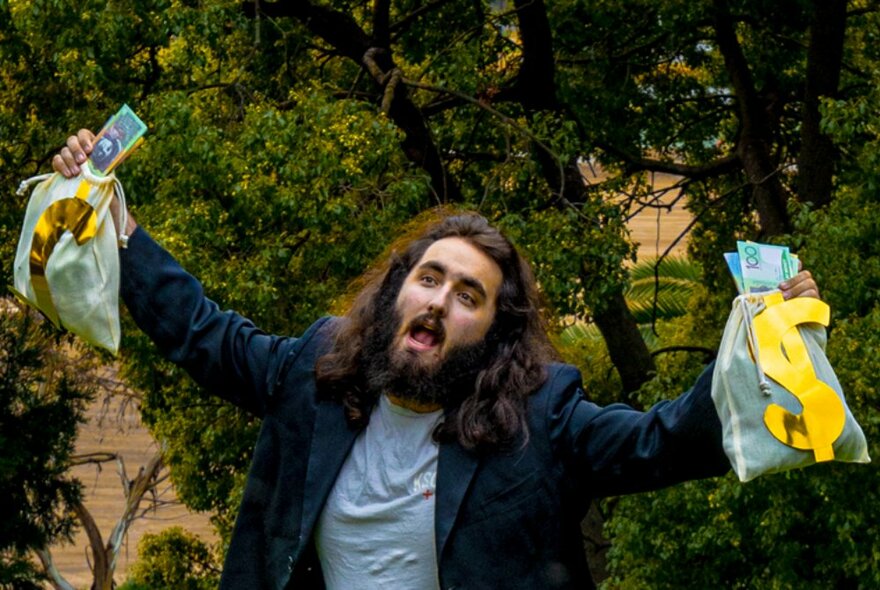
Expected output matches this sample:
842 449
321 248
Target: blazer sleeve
223 351
617 450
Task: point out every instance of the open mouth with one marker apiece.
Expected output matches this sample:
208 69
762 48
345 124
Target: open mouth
425 334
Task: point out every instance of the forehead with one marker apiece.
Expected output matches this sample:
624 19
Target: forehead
463 260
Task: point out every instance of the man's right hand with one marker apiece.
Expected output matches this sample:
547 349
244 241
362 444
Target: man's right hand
68 163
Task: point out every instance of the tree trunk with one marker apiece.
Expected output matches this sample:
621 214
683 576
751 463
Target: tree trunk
627 348
824 61
536 90
768 194
102 571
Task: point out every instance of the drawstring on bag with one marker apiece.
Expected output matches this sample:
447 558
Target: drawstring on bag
748 318
67 259
24 185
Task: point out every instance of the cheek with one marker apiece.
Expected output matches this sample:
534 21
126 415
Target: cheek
467 329
409 302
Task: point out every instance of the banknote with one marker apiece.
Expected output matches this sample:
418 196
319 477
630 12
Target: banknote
763 266
119 137
733 265
794 265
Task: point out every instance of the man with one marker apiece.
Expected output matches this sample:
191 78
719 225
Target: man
425 440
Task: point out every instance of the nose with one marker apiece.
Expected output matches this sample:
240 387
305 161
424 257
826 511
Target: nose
437 304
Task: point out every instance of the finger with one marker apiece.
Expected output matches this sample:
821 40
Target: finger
67 161
86 140
59 166
801 285
76 149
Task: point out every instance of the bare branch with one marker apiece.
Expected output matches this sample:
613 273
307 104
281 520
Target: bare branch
55 578
137 489
633 164
100 566
92 458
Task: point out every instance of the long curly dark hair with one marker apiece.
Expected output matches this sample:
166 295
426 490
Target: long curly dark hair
491 412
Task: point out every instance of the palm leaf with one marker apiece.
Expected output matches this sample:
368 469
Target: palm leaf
672 287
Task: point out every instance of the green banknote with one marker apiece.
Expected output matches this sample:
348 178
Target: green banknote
764 266
119 137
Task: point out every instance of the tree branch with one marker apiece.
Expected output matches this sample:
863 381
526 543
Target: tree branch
536 84
100 566
708 352
135 492
824 62
633 164
55 578
342 32
92 458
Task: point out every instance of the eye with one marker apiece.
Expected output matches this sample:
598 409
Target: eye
428 280
467 298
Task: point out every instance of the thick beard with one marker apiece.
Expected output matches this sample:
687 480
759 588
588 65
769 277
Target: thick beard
402 374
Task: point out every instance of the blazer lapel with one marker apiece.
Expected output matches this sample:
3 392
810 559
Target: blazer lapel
455 469
331 442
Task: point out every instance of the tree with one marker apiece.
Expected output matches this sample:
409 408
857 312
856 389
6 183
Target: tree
174 560
38 387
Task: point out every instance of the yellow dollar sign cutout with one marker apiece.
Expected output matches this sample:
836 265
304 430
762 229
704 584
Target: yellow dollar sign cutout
785 359
72 214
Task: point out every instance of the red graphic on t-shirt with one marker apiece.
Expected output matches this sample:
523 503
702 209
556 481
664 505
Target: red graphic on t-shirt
425 484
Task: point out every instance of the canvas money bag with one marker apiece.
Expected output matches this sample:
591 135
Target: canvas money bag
67 262
779 401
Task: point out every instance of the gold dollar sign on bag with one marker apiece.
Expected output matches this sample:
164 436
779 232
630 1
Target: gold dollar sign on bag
785 359
72 214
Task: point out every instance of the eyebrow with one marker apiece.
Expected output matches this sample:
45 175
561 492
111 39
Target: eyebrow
468 281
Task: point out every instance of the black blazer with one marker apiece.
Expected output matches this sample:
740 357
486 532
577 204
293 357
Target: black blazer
503 520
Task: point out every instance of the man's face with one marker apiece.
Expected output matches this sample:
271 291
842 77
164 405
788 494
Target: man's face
446 302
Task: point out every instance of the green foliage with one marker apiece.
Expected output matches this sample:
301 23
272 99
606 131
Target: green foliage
678 323
661 290
173 560
42 400
813 528
650 298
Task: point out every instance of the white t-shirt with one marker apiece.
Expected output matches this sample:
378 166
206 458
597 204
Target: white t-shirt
377 529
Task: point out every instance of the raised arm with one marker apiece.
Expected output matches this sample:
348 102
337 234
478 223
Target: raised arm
224 352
